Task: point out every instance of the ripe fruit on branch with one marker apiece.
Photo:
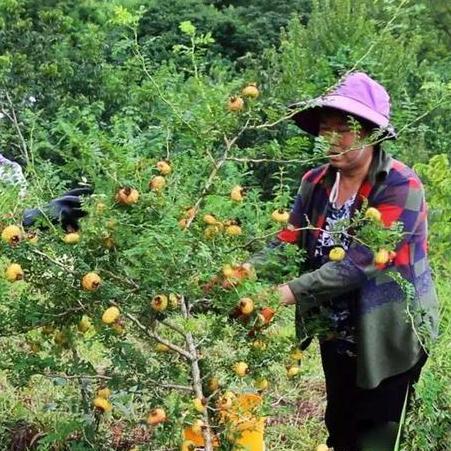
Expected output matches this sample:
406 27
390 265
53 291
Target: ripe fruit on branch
14 272
174 300
259 344
382 257
164 167
235 104
71 238
197 426
213 384
280 215
293 371
246 306
212 230
156 416
200 404
84 325
251 91
233 230
296 354
61 338
157 183
267 314
100 208
12 234
337 254
159 302
118 327
237 193
127 196
374 214
322 447
261 384
161 347
104 392
209 219
111 315
226 400
32 237
241 369
91 281
188 445
102 404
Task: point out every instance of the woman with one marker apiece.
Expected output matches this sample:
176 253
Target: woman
372 354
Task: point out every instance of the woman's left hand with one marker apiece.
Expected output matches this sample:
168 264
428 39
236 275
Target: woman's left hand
286 295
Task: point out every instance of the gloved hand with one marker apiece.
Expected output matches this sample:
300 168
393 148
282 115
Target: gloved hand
65 210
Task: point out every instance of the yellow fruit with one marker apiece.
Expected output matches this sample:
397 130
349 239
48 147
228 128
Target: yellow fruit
118 328
183 223
210 219
84 325
259 344
91 281
227 271
322 447
60 338
337 254
382 257
213 384
251 90
280 215
104 393
33 237
127 196
100 208
233 230
47 329
226 400
188 445
237 193
200 404
110 315
14 272
12 234
211 231
156 416
293 371
235 104
241 369
246 306
261 384
164 167
197 426
71 238
157 183
174 300
102 404
373 214
161 347
159 303
296 354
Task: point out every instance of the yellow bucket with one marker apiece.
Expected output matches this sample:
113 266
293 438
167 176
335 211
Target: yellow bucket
244 428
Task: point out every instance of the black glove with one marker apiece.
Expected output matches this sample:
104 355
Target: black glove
65 210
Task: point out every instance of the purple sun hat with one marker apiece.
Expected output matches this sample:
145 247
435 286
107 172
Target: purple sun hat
358 95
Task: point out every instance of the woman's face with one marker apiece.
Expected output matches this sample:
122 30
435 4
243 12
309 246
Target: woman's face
337 128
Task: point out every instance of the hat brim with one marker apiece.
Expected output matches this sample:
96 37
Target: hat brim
308 118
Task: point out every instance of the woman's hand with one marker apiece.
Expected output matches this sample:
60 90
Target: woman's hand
286 295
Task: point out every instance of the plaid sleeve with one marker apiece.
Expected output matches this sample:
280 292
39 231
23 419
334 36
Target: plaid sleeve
402 200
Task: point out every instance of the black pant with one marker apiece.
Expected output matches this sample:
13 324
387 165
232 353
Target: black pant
352 412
